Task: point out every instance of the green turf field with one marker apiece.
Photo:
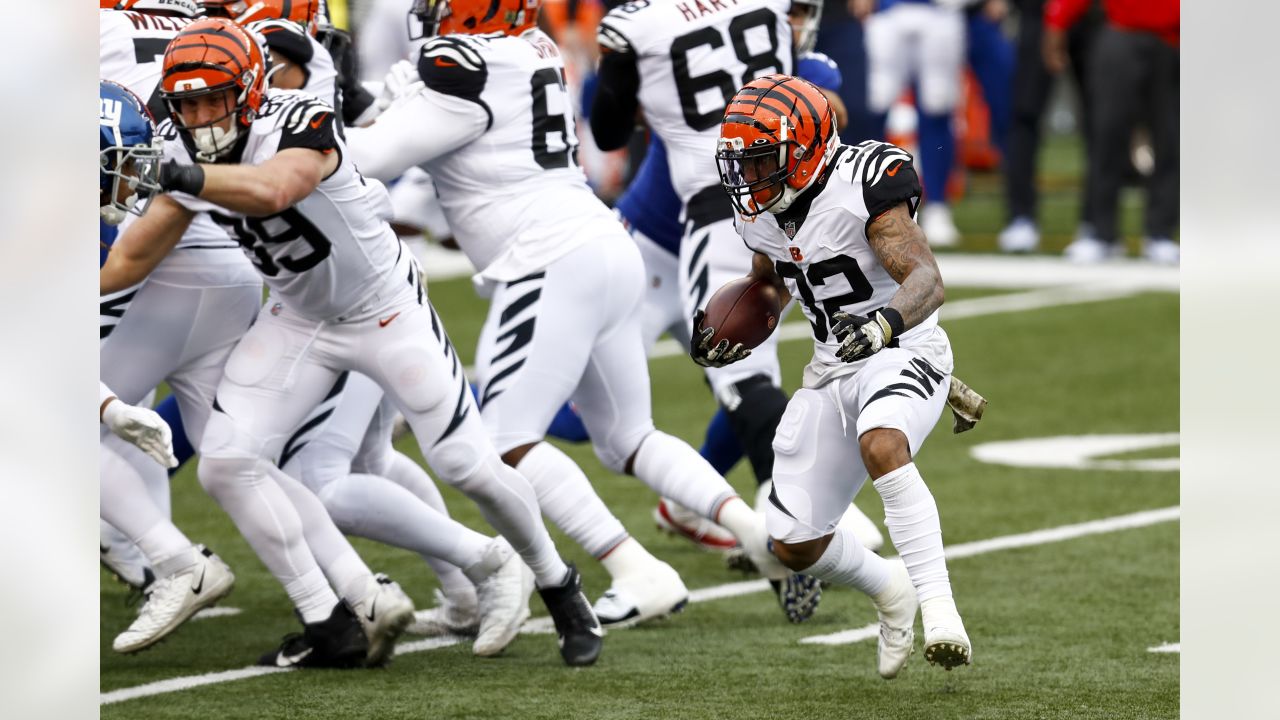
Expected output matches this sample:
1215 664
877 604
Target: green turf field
1060 630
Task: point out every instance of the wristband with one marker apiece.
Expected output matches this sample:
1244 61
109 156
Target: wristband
187 179
892 318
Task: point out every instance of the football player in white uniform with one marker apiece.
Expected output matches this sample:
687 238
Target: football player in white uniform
833 225
187 578
680 61
270 166
566 283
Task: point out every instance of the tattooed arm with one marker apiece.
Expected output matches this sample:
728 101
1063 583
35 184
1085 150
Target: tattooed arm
903 251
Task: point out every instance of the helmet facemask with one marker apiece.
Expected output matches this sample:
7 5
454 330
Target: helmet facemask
211 139
425 16
135 169
757 176
805 16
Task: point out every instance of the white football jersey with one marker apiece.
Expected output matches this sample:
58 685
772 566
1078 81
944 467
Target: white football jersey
693 56
515 197
819 247
333 250
131 47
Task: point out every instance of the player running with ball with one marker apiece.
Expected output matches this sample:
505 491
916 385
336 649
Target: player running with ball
834 225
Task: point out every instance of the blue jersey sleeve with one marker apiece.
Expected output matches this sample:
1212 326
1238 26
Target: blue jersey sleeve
820 70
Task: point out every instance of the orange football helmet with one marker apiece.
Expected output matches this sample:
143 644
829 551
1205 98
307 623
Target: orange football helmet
185 8
210 56
777 137
304 12
473 17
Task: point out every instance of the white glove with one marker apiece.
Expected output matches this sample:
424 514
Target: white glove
401 82
143 428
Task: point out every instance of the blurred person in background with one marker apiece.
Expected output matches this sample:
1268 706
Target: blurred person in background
1032 86
920 43
1133 71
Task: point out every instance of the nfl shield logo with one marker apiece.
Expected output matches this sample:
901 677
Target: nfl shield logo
789 228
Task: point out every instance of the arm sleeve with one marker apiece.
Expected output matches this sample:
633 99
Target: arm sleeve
413 131
613 110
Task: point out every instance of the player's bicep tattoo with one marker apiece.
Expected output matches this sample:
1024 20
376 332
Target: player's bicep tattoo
903 250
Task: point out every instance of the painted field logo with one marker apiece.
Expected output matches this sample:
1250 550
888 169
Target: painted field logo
1081 452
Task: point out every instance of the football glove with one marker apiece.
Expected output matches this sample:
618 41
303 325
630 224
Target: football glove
707 355
176 177
861 337
143 428
402 80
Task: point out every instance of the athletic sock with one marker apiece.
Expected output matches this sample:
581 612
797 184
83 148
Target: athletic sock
629 556
568 500
674 470
911 515
845 562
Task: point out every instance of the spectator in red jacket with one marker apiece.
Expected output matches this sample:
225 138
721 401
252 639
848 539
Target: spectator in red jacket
1133 72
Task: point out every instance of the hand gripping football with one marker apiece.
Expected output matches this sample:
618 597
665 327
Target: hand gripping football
744 311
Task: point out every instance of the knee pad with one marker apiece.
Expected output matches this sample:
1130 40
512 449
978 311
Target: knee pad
319 465
454 461
755 420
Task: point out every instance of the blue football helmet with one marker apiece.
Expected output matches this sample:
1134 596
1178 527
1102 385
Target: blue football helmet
130 152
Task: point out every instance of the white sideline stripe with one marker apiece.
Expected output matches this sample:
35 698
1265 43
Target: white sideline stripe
1009 542
1166 648
542 625
216 612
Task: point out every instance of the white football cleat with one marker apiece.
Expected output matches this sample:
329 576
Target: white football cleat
862 527
939 229
1161 251
1089 250
1019 236
680 520
446 618
945 641
655 592
172 601
503 598
896 606
384 613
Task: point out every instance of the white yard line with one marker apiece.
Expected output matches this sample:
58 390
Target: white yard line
1009 542
216 612
1166 648
542 625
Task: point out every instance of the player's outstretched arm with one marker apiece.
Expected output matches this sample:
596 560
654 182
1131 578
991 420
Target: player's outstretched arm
415 130
144 244
255 190
901 246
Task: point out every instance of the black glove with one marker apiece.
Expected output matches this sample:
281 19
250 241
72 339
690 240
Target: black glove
861 337
702 352
176 177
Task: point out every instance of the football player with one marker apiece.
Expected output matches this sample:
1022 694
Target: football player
566 286
270 166
187 578
833 225
649 209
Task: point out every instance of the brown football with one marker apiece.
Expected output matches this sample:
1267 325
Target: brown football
744 311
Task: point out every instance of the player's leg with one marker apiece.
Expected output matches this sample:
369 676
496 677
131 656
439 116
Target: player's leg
186 577
901 396
272 379
416 365
817 473
373 507
889 62
1162 189
1115 80
940 48
457 607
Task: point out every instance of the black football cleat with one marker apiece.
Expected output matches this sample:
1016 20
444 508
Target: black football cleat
798 595
580 634
338 642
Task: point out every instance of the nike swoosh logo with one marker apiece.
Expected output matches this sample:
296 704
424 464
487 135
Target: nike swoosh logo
373 605
894 170
387 320
441 62
195 589
283 660
315 124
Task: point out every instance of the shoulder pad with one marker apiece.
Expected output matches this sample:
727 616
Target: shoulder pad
617 26
887 174
453 66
